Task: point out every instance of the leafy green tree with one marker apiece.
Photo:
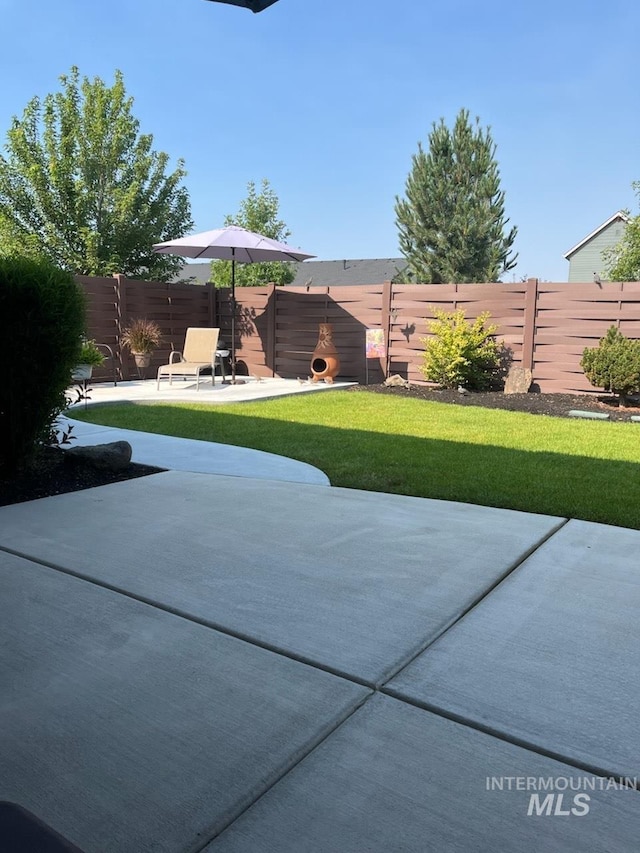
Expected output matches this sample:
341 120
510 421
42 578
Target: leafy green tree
622 262
81 186
451 222
259 213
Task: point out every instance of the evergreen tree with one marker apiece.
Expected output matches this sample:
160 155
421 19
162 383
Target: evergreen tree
451 222
622 262
258 213
83 187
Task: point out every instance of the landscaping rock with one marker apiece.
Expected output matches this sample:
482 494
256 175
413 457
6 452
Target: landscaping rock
518 381
113 457
396 381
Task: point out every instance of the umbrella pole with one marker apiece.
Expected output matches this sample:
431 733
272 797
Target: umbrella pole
233 318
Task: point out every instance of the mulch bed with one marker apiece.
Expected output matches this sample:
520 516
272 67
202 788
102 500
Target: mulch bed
556 405
53 474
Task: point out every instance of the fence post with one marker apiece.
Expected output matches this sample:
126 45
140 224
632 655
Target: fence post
270 354
387 296
528 335
211 304
121 313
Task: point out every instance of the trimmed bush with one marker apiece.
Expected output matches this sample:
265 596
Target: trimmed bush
42 315
460 353
614 365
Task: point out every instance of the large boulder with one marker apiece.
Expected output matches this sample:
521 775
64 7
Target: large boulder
113 456
518 381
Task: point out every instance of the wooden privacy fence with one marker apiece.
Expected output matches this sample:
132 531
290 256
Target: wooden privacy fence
544 326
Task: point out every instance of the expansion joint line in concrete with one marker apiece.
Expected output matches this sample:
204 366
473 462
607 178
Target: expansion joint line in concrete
591 769
284 771
189 617
416 652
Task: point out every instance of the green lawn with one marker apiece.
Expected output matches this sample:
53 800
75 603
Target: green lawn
558 466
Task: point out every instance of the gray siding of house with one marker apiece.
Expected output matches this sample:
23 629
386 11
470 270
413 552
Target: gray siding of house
587 260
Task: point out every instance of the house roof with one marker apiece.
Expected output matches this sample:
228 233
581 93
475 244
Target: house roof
619 215
200 272
347 271
320 273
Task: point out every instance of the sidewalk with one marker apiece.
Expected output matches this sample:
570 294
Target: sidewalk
195 661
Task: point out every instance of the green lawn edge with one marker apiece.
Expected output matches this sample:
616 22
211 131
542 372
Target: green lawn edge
554 466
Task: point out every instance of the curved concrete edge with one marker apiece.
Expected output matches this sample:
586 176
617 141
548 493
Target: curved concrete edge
199 457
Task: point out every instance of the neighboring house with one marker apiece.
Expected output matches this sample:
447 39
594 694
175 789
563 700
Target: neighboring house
319 273
585 258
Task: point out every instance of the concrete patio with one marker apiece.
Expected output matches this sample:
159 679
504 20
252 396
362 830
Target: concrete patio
222 662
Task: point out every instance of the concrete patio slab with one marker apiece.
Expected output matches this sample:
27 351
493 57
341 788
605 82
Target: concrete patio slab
249 388
126 728
205 457
396 778
355 582
550 658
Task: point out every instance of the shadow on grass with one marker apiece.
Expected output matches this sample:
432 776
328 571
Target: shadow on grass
606 491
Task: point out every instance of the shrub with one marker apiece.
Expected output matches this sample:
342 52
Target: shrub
460 353
42 316
141 336
614 364
90 354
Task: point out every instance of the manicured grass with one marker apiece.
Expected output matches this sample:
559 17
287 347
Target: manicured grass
557 466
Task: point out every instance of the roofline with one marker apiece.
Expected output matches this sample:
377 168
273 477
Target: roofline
620 214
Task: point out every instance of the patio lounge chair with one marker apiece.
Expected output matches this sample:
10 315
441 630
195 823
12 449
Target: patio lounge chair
199 354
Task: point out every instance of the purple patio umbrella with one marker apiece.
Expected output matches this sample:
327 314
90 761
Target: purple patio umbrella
254 5
234 244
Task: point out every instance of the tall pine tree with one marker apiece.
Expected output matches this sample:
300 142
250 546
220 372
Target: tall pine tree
451 221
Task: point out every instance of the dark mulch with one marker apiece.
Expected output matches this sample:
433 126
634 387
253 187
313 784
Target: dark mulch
53 474
556 405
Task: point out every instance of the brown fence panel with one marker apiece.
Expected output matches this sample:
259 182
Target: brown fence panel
113 302
253 327
570 317
413 306
102 321
545 326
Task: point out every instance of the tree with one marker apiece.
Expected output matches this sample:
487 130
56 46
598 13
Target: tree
622 262
258 212
451 222
81 186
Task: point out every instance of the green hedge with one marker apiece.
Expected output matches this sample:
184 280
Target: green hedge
42 317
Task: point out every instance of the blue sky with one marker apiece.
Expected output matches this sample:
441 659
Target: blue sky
329 98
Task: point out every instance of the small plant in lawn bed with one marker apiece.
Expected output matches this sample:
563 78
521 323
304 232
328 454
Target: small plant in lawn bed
141 337
614 365
42 316
461 353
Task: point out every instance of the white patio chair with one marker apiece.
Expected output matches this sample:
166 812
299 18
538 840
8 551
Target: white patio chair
199 353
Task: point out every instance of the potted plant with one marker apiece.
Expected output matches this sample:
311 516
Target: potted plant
90 357
141 337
